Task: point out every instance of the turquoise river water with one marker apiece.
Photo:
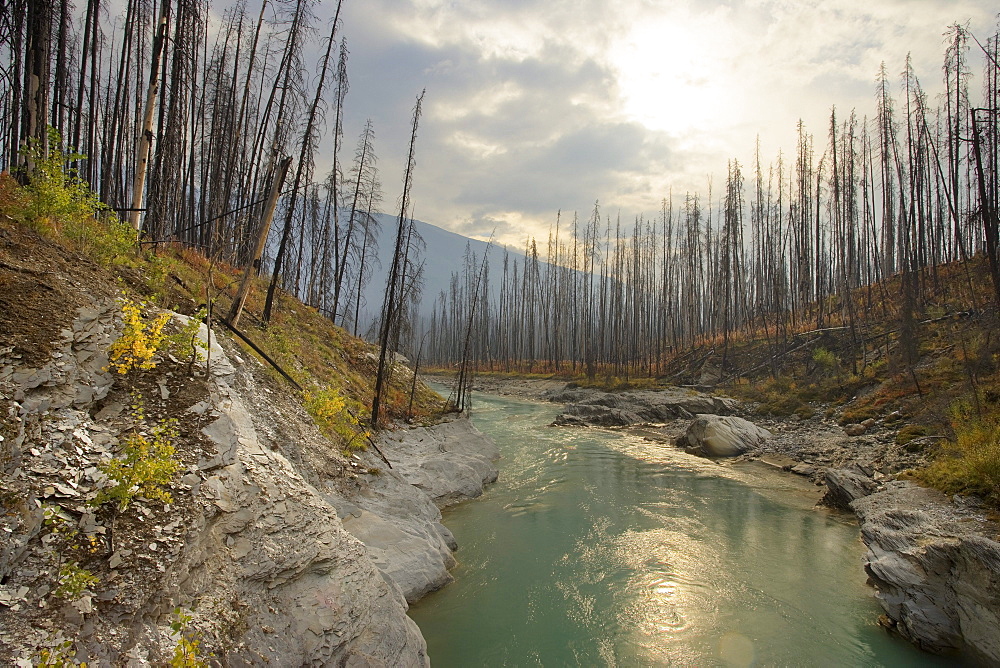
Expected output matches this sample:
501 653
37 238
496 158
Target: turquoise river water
597 548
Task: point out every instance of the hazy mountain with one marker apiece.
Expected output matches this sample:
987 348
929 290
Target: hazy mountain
444 254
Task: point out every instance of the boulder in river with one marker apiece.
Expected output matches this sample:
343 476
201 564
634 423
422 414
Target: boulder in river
721 436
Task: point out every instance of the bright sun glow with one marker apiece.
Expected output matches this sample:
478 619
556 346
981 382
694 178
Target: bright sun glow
674 76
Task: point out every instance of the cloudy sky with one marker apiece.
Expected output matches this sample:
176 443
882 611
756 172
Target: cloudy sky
534 106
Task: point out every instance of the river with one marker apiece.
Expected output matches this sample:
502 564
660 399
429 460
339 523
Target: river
597 548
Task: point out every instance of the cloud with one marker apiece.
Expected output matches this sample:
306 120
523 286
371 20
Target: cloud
538 105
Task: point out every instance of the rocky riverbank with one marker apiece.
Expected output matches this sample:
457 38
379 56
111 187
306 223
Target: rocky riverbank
396 513
593 408
936 565
934 561
275 547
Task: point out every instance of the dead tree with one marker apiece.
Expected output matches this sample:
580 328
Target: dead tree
393 288
304 156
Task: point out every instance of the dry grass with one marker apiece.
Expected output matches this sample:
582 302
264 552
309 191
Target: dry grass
969 464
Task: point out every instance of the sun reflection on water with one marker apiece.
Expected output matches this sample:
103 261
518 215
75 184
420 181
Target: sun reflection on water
600 549
667 606
736 650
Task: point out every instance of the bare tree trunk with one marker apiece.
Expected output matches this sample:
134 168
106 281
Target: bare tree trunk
36 75
146 132
391 288
987 208
264 227
304 156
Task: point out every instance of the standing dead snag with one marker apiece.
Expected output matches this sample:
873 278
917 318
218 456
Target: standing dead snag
394 286
146 133
305 155
264 227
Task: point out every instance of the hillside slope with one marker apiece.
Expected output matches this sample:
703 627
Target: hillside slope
243 552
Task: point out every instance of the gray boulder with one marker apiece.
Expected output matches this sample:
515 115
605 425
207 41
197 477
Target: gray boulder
567 395
722 436
854 429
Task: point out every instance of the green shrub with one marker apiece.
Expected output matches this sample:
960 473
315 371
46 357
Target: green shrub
859 413
826 362
107 243
61 202
188 646
146 467
74 581
185 343
61 655
911 432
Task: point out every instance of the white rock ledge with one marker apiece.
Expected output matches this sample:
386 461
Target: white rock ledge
397 515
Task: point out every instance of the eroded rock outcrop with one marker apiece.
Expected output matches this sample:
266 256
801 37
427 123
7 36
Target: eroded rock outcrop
620 409
936 570
846 485
397 513
283 551
721 436
450 462
253 549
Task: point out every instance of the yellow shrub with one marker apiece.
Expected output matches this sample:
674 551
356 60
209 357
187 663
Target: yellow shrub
139 342
972 463
60 656
329 409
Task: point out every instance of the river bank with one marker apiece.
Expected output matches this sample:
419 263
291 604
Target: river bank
397 512
804 447
273 546
934 561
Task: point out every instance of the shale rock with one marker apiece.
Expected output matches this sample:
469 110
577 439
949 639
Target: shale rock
397 514
936 568
450 461
255 551
620 409
846 485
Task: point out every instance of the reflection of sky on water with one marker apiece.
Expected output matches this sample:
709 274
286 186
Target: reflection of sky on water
597 548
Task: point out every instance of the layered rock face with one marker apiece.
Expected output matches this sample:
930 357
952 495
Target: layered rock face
254 545
846 485
249 546
397 515
620 409
933 562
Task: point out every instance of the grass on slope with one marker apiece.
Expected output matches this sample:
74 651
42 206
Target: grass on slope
335 369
